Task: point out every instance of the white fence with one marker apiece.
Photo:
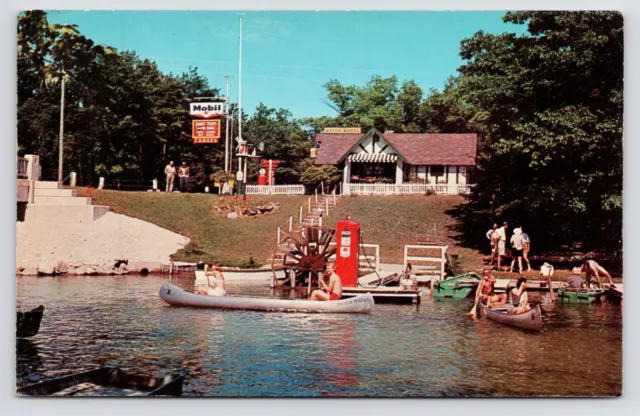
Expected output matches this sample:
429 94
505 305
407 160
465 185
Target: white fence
369 258
427 266
404 189
275 189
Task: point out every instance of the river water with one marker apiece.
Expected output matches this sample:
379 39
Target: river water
432 349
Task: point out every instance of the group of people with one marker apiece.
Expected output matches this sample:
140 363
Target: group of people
215 285
183 176
485 293
520 243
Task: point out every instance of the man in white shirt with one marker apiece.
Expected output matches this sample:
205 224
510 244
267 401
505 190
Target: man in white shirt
517 243
170 171
502 251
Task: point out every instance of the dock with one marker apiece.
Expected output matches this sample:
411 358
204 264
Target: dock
532 285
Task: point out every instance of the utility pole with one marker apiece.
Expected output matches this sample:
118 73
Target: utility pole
61 144
226 136
240 140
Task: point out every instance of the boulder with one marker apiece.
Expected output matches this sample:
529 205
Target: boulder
45 269
61 268
232 215
253 213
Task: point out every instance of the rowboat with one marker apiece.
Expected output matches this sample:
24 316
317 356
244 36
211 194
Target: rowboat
457 287
106 381
28 323
530 320
175 295
584 296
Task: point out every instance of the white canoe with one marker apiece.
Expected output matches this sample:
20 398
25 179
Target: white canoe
175 295
262 276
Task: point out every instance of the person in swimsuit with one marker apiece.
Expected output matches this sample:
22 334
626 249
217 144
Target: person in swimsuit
593 269
332 291
493 238
215 282
488 295
520 297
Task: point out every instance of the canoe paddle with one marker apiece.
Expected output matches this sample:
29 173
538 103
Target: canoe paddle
478 293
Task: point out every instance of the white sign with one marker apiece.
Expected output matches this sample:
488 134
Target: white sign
206 110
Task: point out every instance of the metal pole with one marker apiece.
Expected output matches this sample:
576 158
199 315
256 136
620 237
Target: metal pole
240 82
61 144
244 180
226 137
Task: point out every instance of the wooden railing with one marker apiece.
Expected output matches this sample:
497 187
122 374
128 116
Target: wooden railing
427 265
404 189
275 189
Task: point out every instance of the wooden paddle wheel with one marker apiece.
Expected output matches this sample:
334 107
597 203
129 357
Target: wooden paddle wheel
304 254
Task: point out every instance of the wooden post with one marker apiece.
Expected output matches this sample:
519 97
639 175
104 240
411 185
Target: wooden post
326 203
290 223
316 195
292 278
322 187
334 197
309 207
301 213
278 235
101 183
73 179
309 289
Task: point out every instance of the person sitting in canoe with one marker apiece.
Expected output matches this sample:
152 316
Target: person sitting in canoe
593 269
215 282
519 297
332 291
487 289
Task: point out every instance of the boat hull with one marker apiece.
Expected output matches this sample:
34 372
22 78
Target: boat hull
28 323
530 320
457 287
177 296
106 381
579 296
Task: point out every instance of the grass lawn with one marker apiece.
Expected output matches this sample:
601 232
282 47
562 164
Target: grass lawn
395 221
213 237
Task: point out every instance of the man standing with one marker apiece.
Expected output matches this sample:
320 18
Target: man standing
493 238
332 291
517 244
170 171
526 247
502 243
183 175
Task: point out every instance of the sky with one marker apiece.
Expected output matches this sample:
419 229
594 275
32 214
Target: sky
287 57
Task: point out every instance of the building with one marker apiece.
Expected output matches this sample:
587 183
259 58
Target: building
394 163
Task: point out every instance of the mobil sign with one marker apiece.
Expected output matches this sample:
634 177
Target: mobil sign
206 110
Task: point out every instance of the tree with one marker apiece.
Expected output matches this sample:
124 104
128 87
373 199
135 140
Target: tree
548 106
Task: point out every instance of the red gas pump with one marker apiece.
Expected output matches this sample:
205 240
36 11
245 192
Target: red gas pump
347 254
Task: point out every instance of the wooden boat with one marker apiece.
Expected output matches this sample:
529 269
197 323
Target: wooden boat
457 287
577 296
175 295
530 320
104 382
28 323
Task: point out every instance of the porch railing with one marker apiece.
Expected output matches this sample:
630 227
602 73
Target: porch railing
275 189
404 189
23 164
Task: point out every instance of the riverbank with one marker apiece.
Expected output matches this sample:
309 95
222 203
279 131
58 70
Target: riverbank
109 245
246 241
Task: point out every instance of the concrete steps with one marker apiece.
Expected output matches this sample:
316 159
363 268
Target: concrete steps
53 203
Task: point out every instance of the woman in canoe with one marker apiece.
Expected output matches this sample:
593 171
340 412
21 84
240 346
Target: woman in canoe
215 282
519 297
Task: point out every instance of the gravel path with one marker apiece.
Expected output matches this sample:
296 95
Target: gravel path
113 236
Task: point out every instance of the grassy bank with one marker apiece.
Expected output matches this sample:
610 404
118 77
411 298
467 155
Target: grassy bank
213 237
394 222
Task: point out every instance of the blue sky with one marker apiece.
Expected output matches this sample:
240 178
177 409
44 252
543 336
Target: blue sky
288 56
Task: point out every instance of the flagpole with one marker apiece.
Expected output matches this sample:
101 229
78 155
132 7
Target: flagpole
226 136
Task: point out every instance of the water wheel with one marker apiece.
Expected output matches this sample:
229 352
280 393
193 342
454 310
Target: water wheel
304 254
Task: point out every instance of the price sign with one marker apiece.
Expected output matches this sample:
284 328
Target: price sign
205 131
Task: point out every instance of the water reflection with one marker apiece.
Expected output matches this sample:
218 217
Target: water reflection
431 350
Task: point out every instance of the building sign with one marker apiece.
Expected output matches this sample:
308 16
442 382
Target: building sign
206 110
357 130
205 131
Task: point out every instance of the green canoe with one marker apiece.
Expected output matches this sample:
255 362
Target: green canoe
457 287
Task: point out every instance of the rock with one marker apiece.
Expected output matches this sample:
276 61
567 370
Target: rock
232 215
123 268
61 268
253 213
90 271
45 269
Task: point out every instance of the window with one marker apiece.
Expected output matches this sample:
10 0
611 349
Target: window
437 170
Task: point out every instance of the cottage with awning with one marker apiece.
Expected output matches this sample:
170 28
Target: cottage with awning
399 163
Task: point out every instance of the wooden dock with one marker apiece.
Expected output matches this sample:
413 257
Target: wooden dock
532 285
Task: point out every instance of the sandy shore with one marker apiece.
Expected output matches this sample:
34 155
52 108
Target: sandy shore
111 237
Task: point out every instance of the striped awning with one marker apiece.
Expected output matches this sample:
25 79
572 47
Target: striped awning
372 158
